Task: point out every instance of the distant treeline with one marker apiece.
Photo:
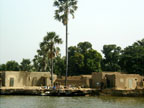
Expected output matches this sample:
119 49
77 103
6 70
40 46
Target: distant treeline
83 59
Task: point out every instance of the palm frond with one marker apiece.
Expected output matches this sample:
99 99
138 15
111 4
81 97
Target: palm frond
62 9
56 3
74 8
57 16
72 12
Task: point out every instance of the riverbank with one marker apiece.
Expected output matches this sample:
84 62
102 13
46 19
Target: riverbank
48 92
69 92
20 91
123 93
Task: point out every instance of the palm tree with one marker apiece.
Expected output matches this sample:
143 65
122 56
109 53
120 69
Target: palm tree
64 8
50 41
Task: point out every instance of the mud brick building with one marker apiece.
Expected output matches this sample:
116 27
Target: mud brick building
25 79
116 80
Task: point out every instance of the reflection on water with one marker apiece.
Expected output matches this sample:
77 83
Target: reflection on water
70 102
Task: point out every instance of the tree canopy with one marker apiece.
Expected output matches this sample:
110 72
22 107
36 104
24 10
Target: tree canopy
64 8
25 65
83 59
111 58
132 58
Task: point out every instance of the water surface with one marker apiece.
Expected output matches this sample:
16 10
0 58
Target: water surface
70 102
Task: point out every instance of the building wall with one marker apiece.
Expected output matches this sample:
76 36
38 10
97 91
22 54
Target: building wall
117 80
86 80
127 81
21 79
0 82
96 78
82 81
110 81
0 79
100 77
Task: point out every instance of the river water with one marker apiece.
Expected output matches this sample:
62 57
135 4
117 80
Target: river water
70 102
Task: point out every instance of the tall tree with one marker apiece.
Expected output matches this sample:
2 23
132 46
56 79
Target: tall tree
12 66
50 41
111 58
64 8
83 59
2 67
43 61
83 47
92 58
25 65
72 50
76 64
59 65
38 63
92 61
132 58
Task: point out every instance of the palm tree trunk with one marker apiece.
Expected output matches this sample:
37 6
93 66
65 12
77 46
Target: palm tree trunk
51 65
66 46
45 68
66 55
51 71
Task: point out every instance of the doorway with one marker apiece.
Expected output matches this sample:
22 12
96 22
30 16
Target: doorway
130 83
11 82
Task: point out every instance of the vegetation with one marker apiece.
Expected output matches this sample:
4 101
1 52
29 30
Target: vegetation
111 58
25 65
10 66
47 53
132 58
64 8
83 59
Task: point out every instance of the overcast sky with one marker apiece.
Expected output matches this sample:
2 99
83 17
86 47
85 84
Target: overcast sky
24 23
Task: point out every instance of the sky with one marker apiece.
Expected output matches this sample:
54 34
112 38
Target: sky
24 23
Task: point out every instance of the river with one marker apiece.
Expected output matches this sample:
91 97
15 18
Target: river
70 102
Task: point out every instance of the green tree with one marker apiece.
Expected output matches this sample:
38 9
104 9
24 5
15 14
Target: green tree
76 64
83 59
132 58
111 58
92 58
47 52
72 50
25 65
64 8
38 63
93 61
51 39
83 47
59 65
42 57
2 67
12 66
